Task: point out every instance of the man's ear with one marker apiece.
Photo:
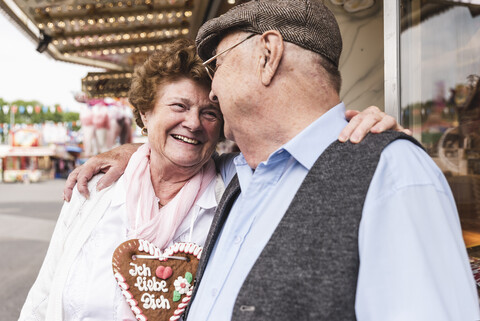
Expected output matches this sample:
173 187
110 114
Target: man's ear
272 43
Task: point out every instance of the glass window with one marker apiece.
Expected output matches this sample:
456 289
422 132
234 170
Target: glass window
440 95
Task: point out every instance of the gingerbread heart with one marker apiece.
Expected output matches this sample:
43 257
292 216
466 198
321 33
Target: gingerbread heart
156 285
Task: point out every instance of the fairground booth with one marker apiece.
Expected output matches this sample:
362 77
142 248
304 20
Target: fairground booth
26 159
420 59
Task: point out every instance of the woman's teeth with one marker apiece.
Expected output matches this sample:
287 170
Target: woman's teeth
186 139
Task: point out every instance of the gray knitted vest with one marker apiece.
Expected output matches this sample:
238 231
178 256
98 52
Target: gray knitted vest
308 270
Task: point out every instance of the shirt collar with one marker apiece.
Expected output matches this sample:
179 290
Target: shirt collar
207 199
310 143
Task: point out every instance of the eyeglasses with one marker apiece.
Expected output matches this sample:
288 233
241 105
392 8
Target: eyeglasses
207 63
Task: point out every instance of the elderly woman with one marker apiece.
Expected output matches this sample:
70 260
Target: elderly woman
168 192
166 195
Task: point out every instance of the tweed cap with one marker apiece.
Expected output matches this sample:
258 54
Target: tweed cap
306 23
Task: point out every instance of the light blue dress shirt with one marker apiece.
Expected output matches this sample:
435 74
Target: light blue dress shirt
413 263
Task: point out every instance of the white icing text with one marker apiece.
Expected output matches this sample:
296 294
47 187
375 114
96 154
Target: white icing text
142 270
150 302
151 284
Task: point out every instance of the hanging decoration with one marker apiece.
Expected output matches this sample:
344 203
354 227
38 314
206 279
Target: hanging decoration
30 109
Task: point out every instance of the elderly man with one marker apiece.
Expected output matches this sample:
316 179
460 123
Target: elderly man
313 229
318 230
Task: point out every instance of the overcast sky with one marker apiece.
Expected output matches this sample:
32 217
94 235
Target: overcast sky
28 75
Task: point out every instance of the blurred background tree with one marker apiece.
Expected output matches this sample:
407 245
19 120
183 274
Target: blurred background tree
44 115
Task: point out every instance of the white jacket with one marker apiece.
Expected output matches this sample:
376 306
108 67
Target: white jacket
75 224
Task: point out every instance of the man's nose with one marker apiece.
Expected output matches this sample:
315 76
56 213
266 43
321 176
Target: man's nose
213 97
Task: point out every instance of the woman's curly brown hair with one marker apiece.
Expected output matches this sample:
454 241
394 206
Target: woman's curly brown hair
175 60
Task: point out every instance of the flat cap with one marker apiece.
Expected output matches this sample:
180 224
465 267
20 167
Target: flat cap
306 23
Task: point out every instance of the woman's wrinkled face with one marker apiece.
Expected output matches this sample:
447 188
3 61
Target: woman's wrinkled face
184 126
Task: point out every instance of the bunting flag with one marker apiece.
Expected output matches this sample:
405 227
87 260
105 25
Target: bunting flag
30 109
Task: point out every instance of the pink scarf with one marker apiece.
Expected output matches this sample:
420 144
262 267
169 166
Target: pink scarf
145 219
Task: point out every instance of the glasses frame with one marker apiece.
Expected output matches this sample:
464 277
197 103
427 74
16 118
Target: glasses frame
211 71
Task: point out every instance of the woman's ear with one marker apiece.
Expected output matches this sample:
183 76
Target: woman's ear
272 49
144 119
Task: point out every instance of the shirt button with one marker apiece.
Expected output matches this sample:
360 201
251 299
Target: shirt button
214 292
237 239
